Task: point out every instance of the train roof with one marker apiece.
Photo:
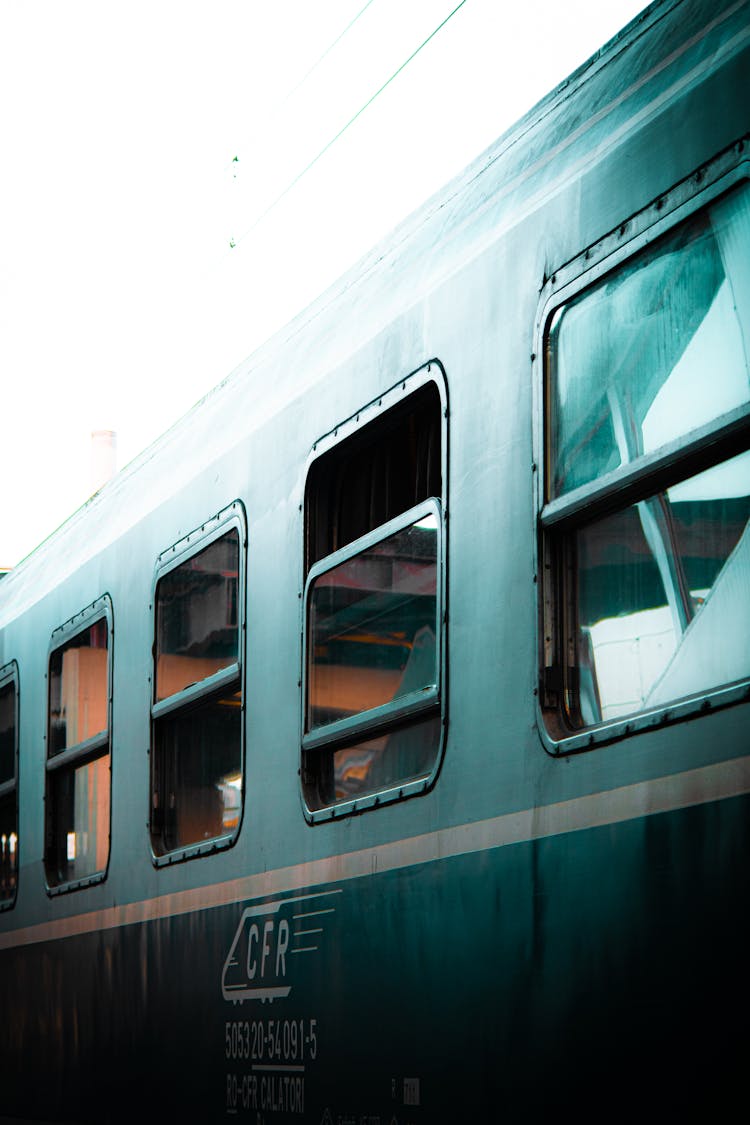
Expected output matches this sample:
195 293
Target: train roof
500 187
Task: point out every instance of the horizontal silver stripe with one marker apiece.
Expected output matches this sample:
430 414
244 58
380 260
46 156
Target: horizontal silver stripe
629 802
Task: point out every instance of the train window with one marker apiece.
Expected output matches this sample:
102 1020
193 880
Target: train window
77 801
196 776
645 528
374 606
8 785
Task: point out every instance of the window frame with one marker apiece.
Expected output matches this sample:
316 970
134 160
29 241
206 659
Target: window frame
375 721
81 753
232 516
368 723
9 675
710 444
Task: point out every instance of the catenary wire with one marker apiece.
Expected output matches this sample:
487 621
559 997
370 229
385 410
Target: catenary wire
316 64
327 51
271 206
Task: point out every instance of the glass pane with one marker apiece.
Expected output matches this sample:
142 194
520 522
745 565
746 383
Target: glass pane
78 689
196 617
387 467
655 350
372 626
197 792
8 846
402 755
7 732
78 827
663 596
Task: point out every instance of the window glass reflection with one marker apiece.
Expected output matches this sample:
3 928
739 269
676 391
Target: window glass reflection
79 821
198 776
196 617
77 800
7 732
663 596
8 846
78 689
372 765
655 350
196 766
372 626
9 798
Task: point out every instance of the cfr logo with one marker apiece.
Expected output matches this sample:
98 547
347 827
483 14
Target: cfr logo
269 945
272 948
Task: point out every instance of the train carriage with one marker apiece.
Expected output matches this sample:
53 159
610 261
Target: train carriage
374 748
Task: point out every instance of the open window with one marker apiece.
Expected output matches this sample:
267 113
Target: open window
77 792
8 785
374 603
196 712
644 530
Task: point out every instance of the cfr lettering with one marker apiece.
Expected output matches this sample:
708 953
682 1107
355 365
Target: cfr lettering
263 950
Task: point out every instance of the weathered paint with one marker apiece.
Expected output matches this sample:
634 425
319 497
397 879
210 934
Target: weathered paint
572 975
534 935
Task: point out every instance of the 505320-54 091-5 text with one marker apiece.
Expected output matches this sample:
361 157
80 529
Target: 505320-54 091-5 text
271 1040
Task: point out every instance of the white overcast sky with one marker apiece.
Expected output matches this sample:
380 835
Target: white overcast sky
122 299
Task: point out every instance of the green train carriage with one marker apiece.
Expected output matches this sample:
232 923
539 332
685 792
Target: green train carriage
375 747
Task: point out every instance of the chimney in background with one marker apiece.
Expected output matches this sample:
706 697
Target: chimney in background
103 458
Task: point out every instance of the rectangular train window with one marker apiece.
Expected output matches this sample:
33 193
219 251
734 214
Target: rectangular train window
77 801
8 785
196 769
645 527
374 606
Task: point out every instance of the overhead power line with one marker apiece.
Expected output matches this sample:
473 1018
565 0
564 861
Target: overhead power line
282 195
314 66
327 51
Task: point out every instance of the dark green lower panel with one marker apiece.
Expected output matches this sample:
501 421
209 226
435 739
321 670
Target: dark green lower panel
599 975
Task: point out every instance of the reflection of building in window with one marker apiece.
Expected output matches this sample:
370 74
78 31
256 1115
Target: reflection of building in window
197 728
373 606
8 785
651 362
77 807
